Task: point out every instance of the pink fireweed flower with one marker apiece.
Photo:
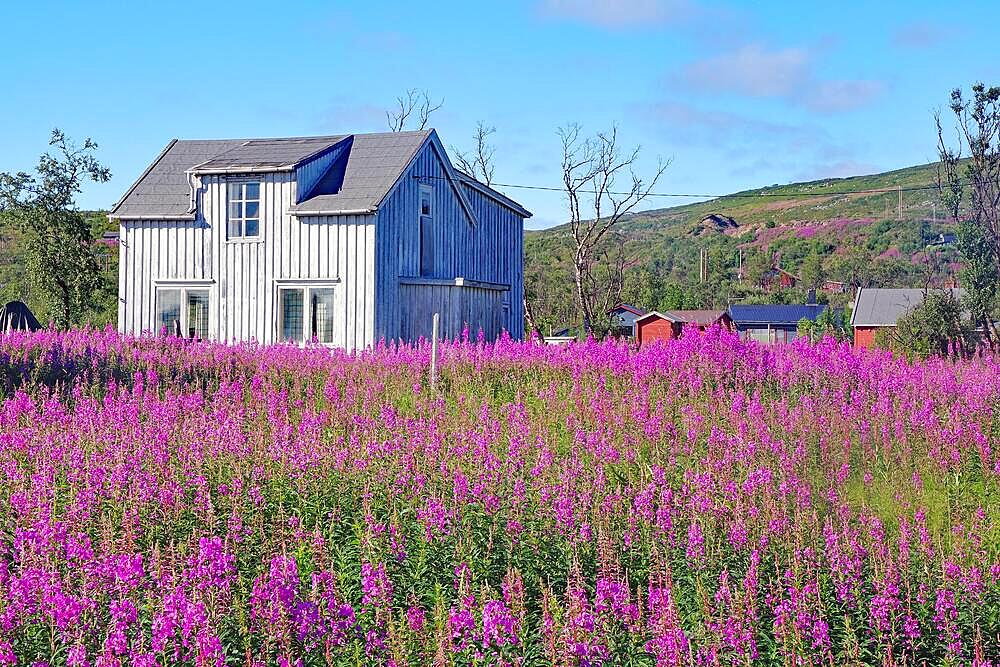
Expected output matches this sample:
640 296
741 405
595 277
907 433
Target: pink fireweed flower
500 628
375 585
415 618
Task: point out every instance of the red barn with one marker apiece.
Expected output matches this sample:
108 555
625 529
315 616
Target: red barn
667 325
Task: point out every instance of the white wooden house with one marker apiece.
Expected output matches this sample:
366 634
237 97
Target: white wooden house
345 240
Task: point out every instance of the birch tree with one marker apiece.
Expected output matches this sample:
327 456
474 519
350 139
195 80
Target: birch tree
601 188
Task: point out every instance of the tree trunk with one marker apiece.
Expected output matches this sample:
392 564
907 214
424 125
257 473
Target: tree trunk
529 319
64 292
581 300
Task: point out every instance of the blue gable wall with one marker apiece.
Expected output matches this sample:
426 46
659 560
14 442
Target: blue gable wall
489 249
308 174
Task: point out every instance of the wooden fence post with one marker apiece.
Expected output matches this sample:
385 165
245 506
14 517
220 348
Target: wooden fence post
434 352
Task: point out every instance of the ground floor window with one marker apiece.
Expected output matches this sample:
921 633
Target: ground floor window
306 313
182 311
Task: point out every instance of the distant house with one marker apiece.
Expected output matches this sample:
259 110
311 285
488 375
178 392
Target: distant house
670 324
833 287
881 308
777 277
623 318
344 240
772 323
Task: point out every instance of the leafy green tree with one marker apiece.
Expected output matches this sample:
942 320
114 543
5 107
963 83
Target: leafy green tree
674 298
756 265
935 327
639 288
57 240
970 189
828 323
811 271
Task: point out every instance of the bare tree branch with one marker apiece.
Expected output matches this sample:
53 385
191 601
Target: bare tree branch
591 170
427 108
411 101
478 162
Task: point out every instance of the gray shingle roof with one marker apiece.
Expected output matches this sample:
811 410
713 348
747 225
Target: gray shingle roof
163 190
880 307
374 164
267 154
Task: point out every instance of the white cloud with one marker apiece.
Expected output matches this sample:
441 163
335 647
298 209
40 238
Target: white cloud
835 96
617 14
920 35
839 169
753 70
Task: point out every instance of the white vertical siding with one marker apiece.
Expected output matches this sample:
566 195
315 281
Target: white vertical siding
245 274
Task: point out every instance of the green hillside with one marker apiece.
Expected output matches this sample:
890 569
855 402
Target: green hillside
851 224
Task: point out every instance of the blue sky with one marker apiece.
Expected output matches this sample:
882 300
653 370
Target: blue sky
737 95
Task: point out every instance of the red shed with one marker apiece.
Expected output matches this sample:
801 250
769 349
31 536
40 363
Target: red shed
670 324
881 308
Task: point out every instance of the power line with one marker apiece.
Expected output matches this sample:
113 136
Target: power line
826 193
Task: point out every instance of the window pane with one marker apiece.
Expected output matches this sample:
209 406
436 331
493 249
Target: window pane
168 311
235 209
252 190
235 228
425 200
321 305
426 246
252 227
290 310
235 191
197 314
250 210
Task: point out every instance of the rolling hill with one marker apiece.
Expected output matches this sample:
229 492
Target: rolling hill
855 225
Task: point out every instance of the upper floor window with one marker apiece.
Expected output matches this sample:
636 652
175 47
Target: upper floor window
244 209
426 230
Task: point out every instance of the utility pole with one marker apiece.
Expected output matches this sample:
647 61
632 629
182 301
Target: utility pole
899 213
703 265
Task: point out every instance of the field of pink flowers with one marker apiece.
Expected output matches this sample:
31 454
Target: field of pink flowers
704 502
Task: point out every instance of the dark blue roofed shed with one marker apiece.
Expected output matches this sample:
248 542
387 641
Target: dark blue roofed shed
772 323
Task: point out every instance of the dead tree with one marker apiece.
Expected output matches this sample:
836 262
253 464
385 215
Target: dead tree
478 162
413 101
591 169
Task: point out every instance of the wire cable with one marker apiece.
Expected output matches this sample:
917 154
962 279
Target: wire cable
744 195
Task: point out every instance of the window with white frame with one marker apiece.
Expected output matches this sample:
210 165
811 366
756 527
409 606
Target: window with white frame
306 313
244 209
426 230
182 311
